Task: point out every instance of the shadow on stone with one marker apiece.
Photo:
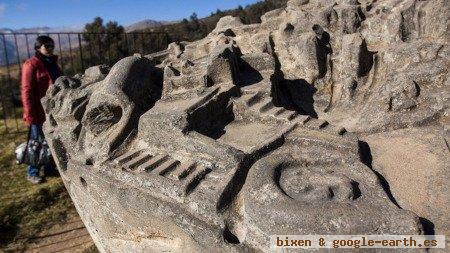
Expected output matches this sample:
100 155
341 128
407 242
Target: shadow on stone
356 190
366 158
230 237
212 118
365 60
248 75
427 225
323 49
297 95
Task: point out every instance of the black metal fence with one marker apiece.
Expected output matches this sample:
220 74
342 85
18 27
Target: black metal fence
76 51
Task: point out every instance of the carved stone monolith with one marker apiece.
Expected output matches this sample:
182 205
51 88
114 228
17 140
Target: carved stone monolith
255 130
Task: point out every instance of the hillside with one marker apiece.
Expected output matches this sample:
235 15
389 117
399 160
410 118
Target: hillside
193 28
145 24
21 52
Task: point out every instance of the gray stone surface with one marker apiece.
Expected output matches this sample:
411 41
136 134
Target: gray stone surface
416 157
256 129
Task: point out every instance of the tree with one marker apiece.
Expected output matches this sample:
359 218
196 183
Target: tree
115 41
105 41
94 36
194 24
194 17
95 27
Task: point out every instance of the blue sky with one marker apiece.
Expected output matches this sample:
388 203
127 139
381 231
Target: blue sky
16 14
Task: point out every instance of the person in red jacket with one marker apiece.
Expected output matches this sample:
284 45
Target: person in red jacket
38 73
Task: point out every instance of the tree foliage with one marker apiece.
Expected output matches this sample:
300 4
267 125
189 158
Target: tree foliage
110 41
105 41
194 28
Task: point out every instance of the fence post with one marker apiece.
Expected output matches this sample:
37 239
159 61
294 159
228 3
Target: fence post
142 43
8 71
81 52
28 46
61 59
71 55
2 79
128 50
92 60
100 52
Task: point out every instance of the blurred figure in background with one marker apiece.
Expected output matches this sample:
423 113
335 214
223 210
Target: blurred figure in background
38 73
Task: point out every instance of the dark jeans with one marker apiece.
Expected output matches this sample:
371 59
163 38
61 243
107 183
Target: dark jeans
49 169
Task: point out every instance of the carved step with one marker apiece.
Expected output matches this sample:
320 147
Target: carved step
316 124
183 170
261 104
288 115
142 158
279 110
153 163
194 179
303 119
274 111
251 100
341 131
266 106
166 167
336 130
128 156
323 125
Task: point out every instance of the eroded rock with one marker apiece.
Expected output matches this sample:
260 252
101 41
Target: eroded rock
253 130
419 157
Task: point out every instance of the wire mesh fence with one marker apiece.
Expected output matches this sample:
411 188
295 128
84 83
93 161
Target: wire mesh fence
76 51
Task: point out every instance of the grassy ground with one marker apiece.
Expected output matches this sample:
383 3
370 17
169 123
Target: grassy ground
26 209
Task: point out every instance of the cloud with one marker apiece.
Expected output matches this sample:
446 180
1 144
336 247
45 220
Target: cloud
21 6
2 9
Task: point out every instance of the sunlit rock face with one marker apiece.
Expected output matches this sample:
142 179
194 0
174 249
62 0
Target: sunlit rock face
255 130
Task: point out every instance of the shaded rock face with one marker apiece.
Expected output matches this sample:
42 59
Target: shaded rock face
253 130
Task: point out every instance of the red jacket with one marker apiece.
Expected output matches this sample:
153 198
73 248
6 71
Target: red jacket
35 82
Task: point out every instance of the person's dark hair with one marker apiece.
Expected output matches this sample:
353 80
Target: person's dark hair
42 40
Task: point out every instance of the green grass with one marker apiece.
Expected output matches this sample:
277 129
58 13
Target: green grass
15 127
26 209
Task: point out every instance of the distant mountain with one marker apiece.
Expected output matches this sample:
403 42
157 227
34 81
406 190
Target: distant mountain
10 50
21 52
146 24
6 30
43 29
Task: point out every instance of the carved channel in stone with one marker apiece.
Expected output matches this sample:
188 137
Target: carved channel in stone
61 158
253 99
189 172
315 183
266 107
133 164
166 167
102 118
128 157
194 179
316 124
153 163
279 111
184 170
